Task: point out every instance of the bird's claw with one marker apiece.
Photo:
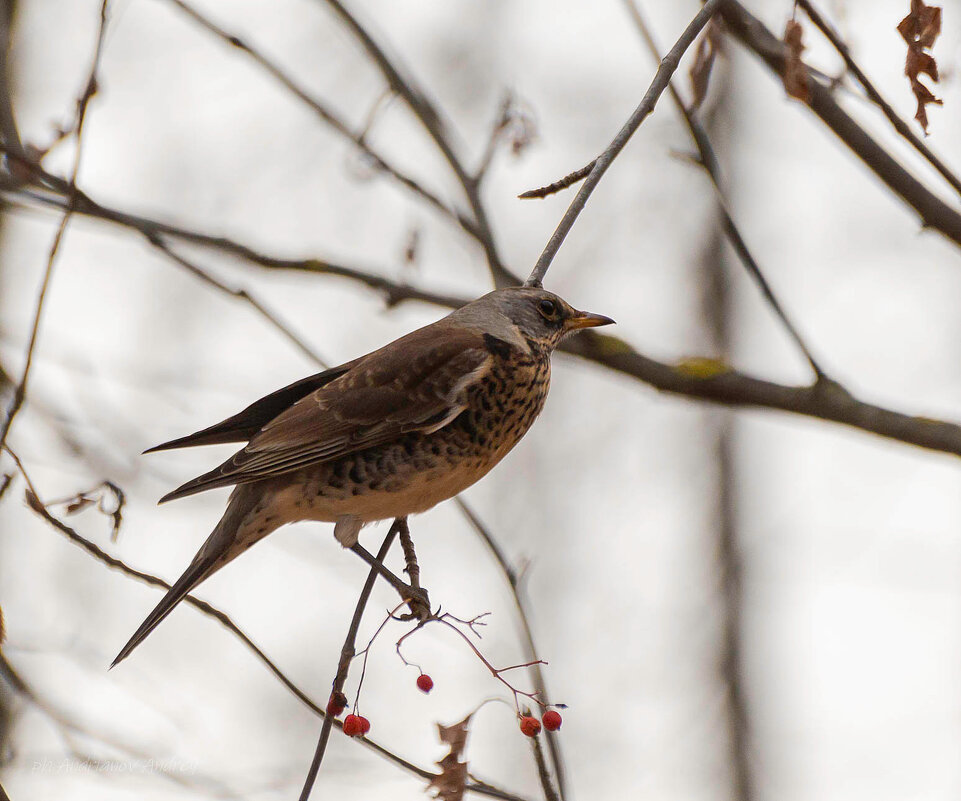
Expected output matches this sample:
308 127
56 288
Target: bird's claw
419 604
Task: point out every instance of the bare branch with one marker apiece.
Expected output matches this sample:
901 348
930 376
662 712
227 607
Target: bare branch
438 129
240 294
560 185
714 381
346 655
326 114
664 72
90 88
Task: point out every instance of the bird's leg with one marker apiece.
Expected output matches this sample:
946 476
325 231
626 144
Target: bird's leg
414 596
419 606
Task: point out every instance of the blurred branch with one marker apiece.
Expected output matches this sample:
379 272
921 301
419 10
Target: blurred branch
393 292
39 508
9 132
664 71
68 727
240 294
359 139
89 90
437 128
347 654
875 96
520 602
933 211
708 160
550 794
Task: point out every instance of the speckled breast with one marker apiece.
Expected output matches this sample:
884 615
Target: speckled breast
418 471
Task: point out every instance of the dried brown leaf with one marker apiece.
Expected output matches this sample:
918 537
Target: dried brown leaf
795 74
920 29
3 631
450 783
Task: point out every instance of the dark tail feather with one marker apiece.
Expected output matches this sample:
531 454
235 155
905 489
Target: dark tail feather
243 425
190 579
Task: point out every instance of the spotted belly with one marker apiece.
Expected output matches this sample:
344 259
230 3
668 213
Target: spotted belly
418 471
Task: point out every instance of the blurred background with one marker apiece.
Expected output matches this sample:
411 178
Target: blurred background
734 603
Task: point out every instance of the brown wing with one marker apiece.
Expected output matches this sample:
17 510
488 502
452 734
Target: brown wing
243 425
417 383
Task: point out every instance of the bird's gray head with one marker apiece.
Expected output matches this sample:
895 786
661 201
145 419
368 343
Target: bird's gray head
527 316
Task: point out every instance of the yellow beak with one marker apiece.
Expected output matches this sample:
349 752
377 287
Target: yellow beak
582 319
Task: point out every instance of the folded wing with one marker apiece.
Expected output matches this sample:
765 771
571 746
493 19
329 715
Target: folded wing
378 398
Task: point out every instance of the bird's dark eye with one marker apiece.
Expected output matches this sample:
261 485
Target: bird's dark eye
548 308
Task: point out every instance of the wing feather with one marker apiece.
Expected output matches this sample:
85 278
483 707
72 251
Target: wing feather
382 396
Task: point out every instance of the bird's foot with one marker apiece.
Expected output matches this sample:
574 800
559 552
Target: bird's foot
418 602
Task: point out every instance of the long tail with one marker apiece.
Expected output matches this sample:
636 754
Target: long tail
225 542
194 574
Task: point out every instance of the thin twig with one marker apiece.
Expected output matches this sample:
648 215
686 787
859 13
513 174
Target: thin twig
550 794
437 128
90 88
664 72
560 185
708 160
346 655
242 294
876 97
394 292
327 115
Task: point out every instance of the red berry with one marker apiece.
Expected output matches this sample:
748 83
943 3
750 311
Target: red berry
355 725
425 683
552 720
336 704
530 726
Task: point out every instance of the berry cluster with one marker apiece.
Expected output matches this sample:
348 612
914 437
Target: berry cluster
531 726
357 725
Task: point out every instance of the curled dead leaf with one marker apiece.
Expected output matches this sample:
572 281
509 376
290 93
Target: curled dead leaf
451 782
795 76
920 29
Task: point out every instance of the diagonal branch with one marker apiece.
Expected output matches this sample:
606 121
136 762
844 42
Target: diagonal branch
438 129
327 115
663 75
346 655
241 294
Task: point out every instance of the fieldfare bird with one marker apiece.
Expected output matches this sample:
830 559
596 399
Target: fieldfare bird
387 435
